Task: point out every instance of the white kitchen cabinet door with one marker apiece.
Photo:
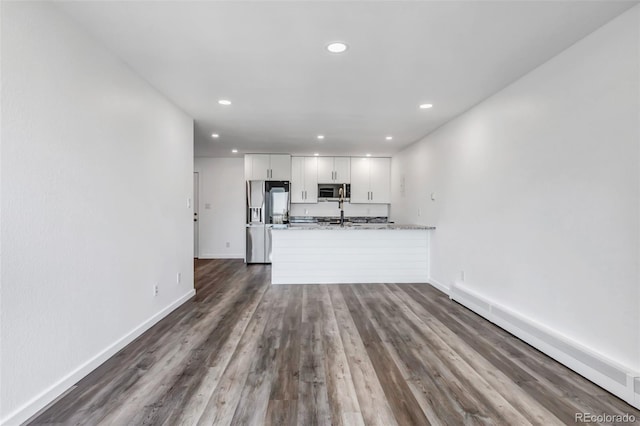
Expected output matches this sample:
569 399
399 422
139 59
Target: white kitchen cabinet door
325 170
311 179
267 167
380 180
304 180
342 169
360 180
248 167
334 170
280 166
297 179
256 166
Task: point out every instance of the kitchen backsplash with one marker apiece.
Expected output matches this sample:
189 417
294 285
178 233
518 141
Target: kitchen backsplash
330 208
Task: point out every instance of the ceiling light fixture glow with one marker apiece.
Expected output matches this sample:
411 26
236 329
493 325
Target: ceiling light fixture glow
224 102
389 138
215 135
337 47
235 151
368 155
315 154
425 106
320 137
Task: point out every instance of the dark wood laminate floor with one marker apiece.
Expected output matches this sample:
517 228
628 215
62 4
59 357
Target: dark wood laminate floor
244 352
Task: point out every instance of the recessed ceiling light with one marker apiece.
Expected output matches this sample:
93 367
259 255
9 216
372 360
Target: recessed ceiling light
368 155
215 135
224 102
235 151
389 138
337 47
320 137
425 106
315 154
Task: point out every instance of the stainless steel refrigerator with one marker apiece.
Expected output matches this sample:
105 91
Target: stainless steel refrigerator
267 205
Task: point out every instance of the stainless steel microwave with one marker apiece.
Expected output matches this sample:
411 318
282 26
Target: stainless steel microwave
331 191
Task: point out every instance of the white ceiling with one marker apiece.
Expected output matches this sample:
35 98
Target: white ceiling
269 59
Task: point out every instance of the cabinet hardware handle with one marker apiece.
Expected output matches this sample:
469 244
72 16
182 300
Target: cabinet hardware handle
371 195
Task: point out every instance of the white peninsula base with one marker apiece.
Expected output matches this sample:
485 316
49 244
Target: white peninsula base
333 255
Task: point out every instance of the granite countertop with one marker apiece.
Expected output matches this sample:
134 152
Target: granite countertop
357 227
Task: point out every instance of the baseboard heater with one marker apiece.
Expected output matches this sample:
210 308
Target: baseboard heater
605 372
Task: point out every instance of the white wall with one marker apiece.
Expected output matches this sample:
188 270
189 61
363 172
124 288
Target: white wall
96 172
537 195
222 207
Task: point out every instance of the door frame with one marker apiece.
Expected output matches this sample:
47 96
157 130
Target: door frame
196 215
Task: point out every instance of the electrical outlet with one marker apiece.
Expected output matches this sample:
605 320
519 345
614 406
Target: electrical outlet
228 244
155 289
179 277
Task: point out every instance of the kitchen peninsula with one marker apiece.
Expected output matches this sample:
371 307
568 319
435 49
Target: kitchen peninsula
354 253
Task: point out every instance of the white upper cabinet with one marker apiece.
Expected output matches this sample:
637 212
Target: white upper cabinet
380 180
267 167
304 179
325 169
334 170
280 167
343 169
359 180
370 180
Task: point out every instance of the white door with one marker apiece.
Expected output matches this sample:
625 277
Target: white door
260 169
342 168
297 180
360 192
280 166
196 201
380 180
311 179
325 170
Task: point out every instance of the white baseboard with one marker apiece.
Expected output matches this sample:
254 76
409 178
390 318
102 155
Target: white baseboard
443 288
50 394
221 256
605 372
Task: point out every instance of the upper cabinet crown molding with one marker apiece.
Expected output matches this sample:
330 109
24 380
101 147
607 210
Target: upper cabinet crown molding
267 167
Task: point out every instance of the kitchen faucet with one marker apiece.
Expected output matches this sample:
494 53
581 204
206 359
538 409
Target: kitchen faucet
341 205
